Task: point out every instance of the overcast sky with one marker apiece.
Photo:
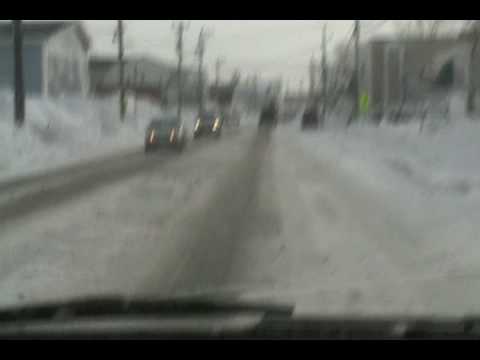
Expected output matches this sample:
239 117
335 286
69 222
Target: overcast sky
270 48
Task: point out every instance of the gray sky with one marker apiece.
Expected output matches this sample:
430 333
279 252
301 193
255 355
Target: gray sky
270 48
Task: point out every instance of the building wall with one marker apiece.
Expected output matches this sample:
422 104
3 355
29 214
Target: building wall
32 65
97 72
66 64
394 65
410 63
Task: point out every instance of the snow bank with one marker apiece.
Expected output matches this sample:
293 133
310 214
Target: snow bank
69 129
63 130
442 159
432 179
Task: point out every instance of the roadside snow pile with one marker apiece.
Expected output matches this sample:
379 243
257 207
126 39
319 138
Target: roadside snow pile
67 129
428 182
443 161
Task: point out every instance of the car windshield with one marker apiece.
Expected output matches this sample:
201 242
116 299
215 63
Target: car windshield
343 175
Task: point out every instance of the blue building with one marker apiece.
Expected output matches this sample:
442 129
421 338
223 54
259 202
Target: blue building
55 56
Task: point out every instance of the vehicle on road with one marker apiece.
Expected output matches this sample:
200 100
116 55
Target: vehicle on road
269 115
165 132
208 123
310 118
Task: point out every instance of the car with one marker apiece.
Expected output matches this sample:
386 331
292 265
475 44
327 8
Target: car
208 124
165 132
269 116
310 119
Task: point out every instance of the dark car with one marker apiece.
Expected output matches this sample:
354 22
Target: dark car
269 116
208 124
310 118
165 132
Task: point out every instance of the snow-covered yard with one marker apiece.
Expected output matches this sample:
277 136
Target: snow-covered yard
66 130
441 162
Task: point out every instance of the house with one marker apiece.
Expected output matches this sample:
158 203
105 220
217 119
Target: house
145 76
410 68
55 57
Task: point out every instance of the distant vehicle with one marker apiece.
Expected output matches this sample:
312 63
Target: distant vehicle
269 115
208 124
310 118
167 132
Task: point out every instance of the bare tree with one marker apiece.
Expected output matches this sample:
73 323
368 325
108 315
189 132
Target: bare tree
341 70
200 52
180 29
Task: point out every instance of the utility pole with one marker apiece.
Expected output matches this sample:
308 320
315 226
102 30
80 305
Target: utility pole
135 89
312 72
180 29
200 52
356 32
118 36
18 70
324 72
255 91
218 65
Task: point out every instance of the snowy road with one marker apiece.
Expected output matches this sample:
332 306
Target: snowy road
247 215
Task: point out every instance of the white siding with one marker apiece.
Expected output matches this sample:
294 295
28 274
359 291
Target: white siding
67 64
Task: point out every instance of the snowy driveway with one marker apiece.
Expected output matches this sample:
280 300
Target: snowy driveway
246 215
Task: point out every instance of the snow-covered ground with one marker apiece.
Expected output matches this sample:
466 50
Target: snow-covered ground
429 183
371 219
109 240
60 131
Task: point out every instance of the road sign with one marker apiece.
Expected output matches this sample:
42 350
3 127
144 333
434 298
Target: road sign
364 103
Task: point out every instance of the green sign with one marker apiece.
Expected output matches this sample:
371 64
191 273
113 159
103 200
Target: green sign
364 103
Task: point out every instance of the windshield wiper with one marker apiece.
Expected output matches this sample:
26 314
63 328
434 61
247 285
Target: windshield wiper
121 306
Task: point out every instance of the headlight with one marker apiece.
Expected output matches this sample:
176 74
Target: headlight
216 125
197 125
152 136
